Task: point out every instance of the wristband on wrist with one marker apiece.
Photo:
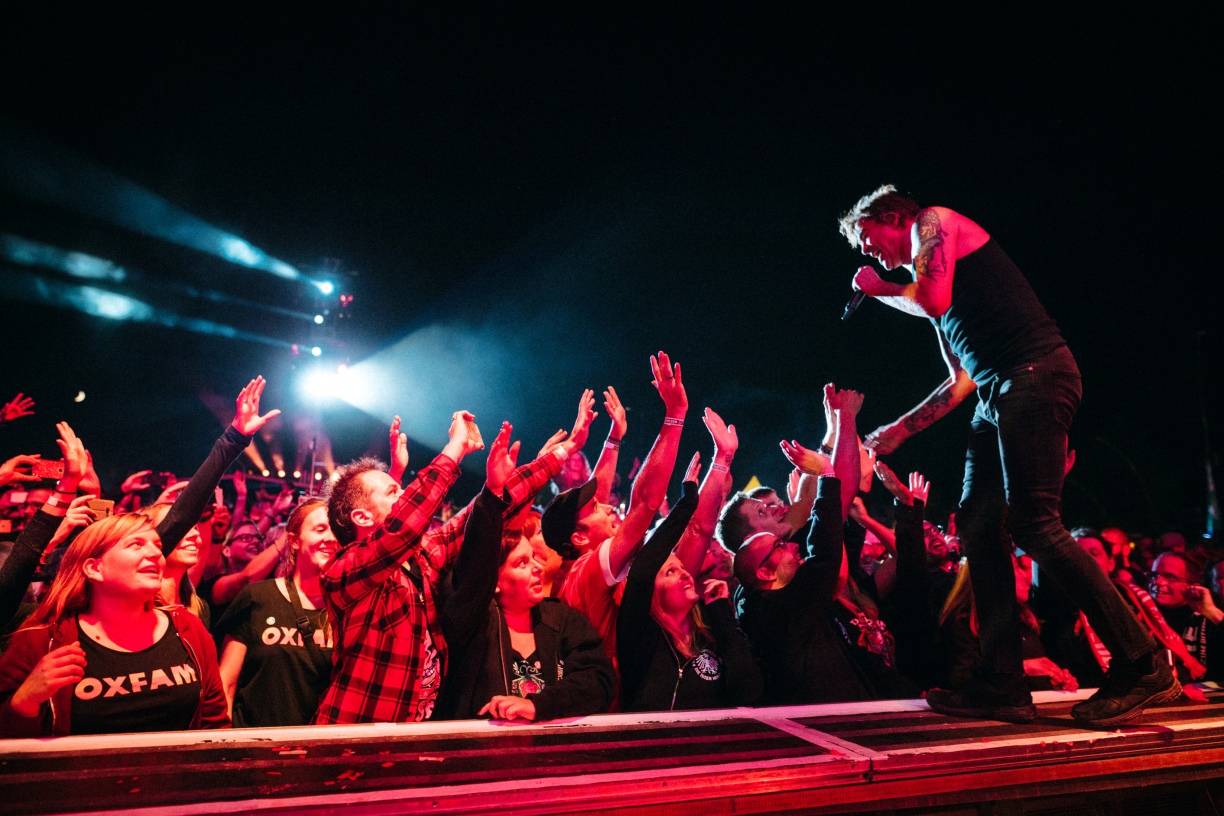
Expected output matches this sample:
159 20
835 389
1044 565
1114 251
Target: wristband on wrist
612 443
679 423
720 468
55 501
827 450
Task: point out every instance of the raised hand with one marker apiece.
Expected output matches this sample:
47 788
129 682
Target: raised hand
399 450
670 385
726 441
616 413
554 440
60 667
867 281
843 399
919 487
15 469
140 481
1200 601
693 471
247 420
813 463
892 483
509 707
90 482
16 408
858 510
582 422
239 480
501 460
171 492
78 515
464 436
76 458
714 590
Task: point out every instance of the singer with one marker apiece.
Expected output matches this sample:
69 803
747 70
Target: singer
998 340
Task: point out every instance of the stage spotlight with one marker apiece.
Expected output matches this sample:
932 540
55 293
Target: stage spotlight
318 476
318 319
315 351
325 286
319 384
266 472
297 474
80 397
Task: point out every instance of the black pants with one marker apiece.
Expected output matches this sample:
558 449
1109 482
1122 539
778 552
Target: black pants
1013 481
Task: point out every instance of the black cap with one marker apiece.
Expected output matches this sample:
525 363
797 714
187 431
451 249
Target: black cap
561 517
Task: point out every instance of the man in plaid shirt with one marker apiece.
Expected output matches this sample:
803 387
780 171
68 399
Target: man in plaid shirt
390 656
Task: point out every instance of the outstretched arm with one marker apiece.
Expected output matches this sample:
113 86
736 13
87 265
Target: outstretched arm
605 468
650 487
938 404
714 489
191 502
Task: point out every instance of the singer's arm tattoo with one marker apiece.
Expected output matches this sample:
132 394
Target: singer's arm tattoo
929 262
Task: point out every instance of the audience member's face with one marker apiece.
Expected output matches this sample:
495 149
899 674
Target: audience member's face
675 592
1170 580
315 542
549 559
132 566
936 543
598 522
381 493
244 545
873 550
187 554
520 581
718 562
1024 577
765 513
1096 550
574 471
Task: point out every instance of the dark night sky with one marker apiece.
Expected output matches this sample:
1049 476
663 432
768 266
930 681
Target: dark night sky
584 192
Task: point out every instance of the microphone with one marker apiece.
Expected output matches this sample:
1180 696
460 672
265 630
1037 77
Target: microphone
852 305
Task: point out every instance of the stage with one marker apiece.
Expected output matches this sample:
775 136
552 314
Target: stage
894 756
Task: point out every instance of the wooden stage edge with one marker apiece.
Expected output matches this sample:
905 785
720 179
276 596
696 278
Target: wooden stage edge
859 757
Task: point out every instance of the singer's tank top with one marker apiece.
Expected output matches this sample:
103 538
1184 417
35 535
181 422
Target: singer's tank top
995 322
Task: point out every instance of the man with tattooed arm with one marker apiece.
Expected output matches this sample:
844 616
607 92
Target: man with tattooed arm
998 340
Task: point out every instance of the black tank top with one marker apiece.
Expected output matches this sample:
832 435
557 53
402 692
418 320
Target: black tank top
995 322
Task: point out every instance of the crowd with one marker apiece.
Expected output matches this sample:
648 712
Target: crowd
169 606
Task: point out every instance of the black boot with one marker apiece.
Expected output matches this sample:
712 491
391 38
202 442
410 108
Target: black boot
1127 690
1007 699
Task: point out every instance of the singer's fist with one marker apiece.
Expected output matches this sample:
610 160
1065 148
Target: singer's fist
867 280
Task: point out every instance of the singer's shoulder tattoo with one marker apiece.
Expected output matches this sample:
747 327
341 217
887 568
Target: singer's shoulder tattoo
929 261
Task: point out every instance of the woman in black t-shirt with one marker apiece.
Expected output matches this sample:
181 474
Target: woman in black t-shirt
96 656
276 661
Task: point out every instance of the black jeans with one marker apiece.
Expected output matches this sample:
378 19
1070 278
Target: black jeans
1013 482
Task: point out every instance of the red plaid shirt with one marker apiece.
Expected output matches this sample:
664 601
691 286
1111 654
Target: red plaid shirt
387 624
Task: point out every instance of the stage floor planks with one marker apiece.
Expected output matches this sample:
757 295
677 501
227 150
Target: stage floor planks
837 758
